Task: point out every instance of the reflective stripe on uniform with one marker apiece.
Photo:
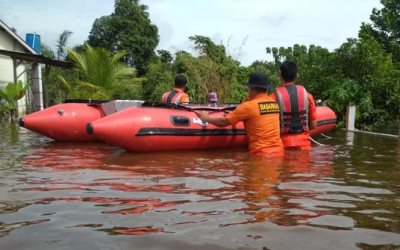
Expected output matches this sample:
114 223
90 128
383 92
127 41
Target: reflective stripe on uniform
172 97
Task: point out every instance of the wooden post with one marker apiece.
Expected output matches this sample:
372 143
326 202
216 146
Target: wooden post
351 118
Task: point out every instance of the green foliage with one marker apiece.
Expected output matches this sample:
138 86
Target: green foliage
343 94
212 70
46 51
54 84
13 91
128 89
268 68
127 29
98 73
8 97
206 47
54 88
359 73
385 27
165 56
362 72
316 66
371 70
159 79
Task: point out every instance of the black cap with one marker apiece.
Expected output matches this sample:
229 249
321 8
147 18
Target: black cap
259 80
180 81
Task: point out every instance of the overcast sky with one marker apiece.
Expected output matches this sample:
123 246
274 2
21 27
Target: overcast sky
245 27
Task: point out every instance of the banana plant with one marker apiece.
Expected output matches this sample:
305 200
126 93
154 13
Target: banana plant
9 95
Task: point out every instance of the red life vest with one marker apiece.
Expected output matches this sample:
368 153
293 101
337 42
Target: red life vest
172 97
293 107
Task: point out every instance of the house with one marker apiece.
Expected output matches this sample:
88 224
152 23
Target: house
13 69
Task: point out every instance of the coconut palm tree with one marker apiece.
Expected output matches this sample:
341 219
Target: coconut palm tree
99 72
61 44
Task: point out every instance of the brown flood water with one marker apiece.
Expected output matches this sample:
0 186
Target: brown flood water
345 195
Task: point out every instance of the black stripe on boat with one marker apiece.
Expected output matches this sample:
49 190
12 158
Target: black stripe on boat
326 122
189 132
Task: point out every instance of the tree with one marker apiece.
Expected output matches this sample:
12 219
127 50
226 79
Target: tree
165 56
99 72
213 70
206 47
159 76
268 68
159 79
61 44
316 66
54 89
385 27
46 51
360 72
367 80
127 29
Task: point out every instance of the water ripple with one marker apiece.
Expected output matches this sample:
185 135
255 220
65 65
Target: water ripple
78 195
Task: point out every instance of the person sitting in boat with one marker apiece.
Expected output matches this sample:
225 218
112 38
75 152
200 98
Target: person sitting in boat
213 98
297 109
178 94
260 114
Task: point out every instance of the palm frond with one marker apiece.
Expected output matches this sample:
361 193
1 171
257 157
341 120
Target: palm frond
99 71
62 42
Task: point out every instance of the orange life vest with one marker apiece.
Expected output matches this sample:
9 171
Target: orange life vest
172 97
293 106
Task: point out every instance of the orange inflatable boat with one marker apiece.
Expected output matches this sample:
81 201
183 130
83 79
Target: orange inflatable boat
66 122
159 127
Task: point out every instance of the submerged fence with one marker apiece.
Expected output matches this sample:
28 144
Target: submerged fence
351 120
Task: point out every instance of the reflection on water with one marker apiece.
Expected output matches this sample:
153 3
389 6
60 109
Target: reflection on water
88 196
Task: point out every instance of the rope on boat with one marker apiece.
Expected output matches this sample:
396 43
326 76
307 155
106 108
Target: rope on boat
327 137
319 144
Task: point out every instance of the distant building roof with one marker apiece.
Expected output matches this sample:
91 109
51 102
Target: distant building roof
31 55
36 58
16 37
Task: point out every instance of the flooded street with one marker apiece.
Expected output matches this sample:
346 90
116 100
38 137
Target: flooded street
344 195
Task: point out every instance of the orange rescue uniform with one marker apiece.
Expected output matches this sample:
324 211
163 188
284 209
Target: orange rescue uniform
179 97
301 140
261 120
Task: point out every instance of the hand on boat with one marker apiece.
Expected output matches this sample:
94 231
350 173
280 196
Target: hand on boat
203 115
